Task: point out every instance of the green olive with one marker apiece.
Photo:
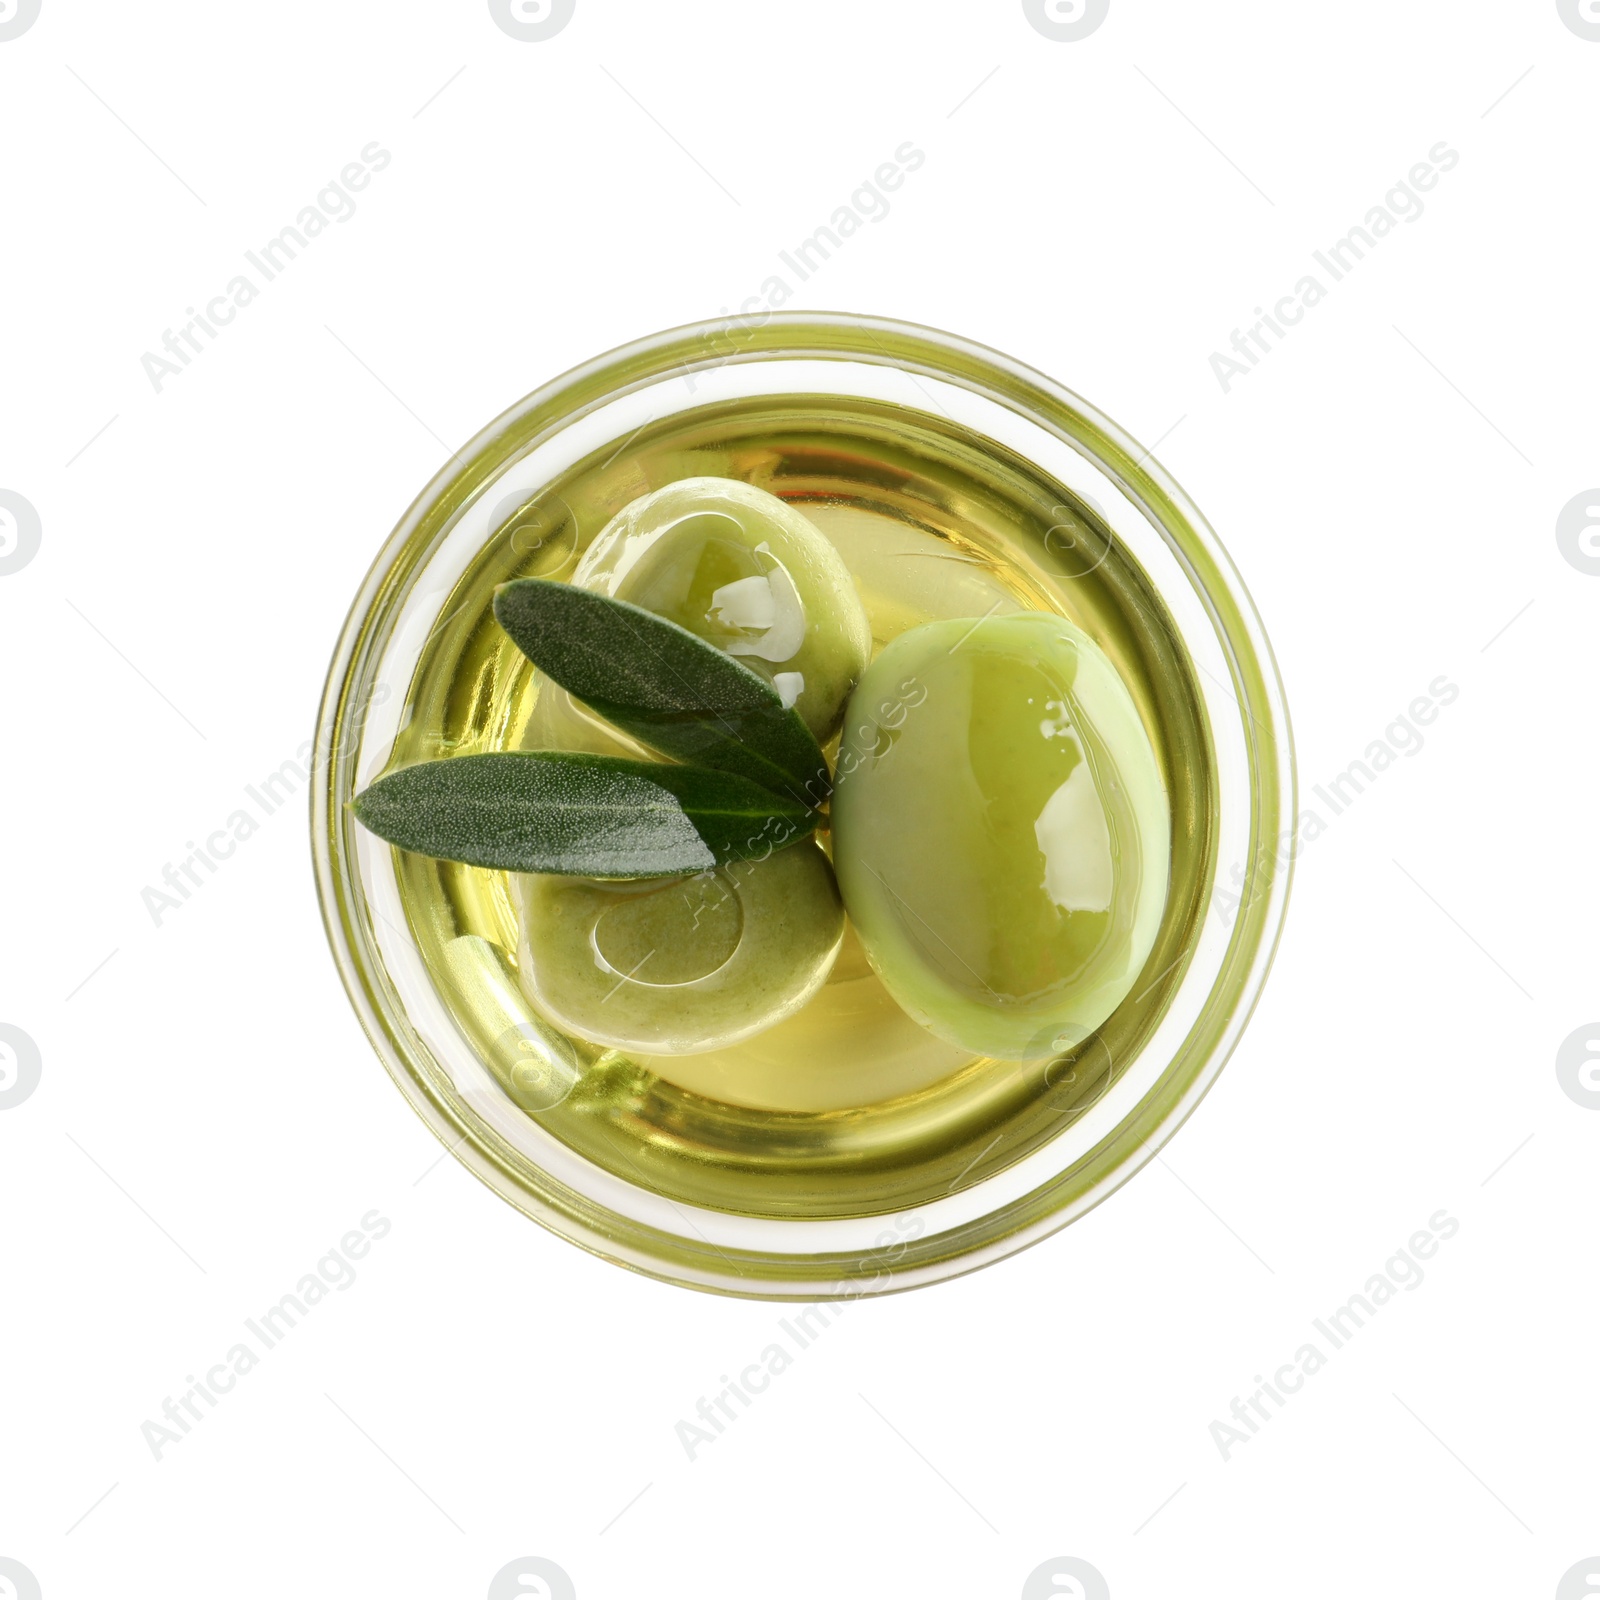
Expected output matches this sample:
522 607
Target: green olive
680 965
1001 831
747 573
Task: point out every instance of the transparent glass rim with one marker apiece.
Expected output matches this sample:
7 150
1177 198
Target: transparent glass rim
1261 881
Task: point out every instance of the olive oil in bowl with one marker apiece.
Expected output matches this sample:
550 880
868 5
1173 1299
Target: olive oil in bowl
847 1107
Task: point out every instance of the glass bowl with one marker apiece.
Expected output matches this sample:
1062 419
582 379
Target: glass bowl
793 1226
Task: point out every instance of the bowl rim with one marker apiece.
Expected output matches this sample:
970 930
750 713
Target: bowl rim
1256 687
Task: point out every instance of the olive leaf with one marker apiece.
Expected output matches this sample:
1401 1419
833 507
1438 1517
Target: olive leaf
584 815
664 685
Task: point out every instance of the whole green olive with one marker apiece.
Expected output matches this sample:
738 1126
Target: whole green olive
680 965
747 573
1001 831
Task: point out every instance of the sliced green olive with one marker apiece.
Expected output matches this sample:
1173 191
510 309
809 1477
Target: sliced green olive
749 574
678 966
1001 831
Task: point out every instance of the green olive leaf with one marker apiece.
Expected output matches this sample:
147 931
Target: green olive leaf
662 684
583 815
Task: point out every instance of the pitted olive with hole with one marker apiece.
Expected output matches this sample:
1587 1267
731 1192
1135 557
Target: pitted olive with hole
1001 832
681 965
747 573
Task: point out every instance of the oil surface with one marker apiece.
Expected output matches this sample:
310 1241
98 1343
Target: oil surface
848 1107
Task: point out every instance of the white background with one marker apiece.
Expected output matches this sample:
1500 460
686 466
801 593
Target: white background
209 1118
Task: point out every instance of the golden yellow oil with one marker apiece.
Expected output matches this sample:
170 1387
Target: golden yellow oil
849 1107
